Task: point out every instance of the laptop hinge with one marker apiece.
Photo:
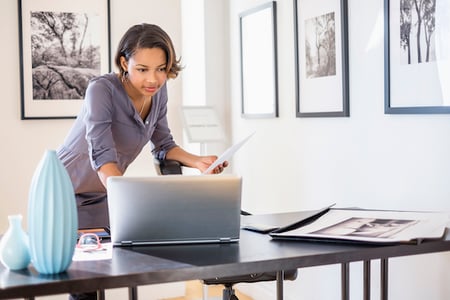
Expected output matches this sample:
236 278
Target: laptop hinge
126 243
225 240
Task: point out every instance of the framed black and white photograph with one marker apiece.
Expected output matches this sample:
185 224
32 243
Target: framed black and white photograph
417 56
321 42
259 75
63 44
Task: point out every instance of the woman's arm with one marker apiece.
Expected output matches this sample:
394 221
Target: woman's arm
108 169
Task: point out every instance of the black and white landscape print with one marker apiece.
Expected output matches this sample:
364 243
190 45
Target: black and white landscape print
320 46
417 28
65 54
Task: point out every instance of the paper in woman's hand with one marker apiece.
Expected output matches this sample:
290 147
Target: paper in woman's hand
227 154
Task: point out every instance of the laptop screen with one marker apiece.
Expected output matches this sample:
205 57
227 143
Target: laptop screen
174 209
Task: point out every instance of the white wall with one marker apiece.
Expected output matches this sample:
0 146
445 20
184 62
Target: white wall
23 142
369 160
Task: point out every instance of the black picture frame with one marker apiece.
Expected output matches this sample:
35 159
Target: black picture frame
62 45
258 45
321 78
416 70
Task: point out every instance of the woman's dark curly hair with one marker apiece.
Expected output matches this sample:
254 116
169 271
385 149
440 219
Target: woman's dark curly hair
147 36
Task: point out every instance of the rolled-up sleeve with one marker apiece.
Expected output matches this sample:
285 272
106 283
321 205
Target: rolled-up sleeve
98 121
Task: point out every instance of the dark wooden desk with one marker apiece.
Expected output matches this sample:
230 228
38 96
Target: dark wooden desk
255 253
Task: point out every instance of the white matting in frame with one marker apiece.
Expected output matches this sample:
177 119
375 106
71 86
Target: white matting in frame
63 44
259 75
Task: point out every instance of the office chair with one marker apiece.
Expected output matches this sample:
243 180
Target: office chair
171 167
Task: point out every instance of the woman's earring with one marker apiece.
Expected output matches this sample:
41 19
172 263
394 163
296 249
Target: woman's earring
124 76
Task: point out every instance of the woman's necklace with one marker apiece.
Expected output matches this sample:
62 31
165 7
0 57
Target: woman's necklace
142 108
125 83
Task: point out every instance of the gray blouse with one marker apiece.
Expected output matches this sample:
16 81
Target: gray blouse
109 129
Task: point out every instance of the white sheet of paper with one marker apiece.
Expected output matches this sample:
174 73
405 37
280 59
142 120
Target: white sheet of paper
227 154
104 253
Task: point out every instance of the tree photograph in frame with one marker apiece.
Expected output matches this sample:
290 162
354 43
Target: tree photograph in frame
63 44
417 56
258 41
321 42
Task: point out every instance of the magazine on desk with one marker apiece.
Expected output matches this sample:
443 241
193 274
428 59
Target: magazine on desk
371 226
272 223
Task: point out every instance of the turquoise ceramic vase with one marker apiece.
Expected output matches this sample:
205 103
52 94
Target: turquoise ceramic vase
14 247
52 216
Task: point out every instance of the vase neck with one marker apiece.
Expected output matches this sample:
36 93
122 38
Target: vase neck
15 220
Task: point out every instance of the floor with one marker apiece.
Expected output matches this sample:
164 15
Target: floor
194 291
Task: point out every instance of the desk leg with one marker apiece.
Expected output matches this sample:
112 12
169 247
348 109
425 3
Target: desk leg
101 295
280 279
132 293
366 280
384 279
345 281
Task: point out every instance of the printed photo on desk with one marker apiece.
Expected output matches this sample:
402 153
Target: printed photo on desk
371 227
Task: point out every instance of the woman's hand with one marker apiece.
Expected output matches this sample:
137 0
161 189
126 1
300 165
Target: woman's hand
194 161
205 161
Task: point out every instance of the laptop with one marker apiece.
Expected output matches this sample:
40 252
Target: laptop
174 209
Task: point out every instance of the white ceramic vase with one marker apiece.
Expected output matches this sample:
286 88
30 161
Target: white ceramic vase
14 246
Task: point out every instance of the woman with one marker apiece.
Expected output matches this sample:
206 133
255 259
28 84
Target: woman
120 115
